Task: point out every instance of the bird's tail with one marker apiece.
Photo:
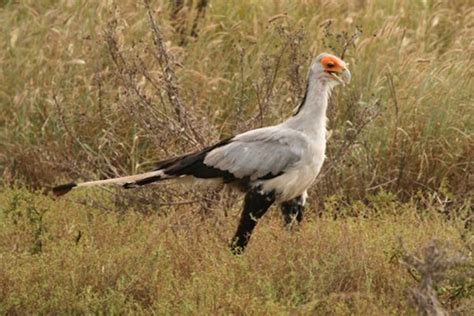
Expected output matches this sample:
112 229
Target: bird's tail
178 167
125 182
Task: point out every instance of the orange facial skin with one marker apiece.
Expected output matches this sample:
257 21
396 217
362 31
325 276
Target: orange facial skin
331 64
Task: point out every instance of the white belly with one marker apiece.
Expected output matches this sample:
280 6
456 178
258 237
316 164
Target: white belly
296 180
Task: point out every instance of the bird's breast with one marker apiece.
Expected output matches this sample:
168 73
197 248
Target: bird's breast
299 177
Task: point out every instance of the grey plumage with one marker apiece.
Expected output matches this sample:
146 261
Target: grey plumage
258 153
271 164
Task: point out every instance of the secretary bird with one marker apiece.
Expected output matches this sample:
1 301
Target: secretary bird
270 164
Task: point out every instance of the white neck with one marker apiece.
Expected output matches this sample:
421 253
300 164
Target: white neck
311 116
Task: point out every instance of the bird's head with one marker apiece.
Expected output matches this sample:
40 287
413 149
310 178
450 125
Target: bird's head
331 69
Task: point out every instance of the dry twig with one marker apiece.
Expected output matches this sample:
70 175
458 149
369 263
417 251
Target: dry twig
431 268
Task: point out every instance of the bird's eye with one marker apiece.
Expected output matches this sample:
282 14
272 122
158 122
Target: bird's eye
330 64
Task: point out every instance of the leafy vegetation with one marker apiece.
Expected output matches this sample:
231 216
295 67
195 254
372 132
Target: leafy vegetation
96 261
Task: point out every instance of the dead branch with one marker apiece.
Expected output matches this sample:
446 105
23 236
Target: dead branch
431 267
170 80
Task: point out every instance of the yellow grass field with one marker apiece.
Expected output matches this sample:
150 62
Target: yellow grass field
85 93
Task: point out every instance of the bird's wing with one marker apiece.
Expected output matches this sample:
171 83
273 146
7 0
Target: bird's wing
259 154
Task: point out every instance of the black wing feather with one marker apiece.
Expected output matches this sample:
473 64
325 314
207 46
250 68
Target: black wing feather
193 165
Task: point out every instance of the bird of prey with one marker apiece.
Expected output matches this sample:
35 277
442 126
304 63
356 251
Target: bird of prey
274 164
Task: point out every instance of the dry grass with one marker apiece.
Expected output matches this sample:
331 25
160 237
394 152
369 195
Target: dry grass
101 261
93 90
65 93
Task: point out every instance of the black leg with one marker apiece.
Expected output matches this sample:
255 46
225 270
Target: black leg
256 203
292 210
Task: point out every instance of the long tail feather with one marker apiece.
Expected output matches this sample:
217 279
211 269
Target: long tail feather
125 182
178 167
63 188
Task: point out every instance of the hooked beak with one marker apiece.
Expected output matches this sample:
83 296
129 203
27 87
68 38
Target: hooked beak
344 76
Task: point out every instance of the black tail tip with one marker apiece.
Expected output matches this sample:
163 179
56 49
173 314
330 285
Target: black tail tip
63 189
